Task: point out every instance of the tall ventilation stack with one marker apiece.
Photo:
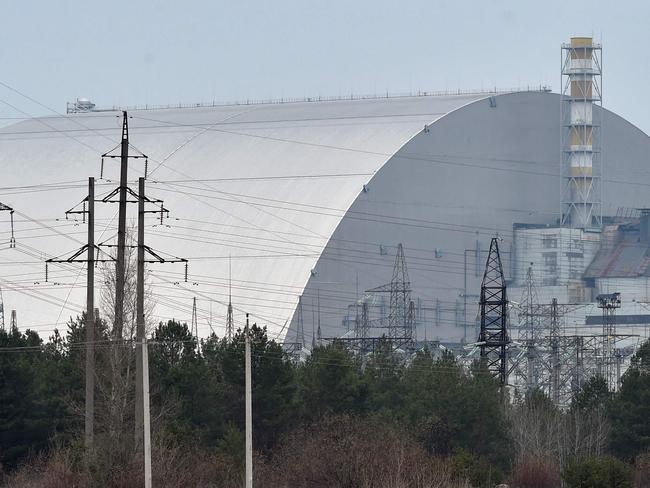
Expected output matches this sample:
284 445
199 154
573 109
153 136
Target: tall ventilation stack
581 157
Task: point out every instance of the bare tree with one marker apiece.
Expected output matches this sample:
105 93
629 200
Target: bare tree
351 451
116 361
541 431
590 429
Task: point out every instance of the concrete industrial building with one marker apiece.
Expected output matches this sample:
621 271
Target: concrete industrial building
310 200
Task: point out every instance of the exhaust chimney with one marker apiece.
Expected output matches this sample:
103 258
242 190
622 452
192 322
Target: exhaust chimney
581 162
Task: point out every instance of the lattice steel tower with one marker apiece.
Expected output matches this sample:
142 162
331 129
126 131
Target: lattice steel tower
530 330
493 337
401 319
400 330
555 337
608 364
230 321
582 166
300 330
194 328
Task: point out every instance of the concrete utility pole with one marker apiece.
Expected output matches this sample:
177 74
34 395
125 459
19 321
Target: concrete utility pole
120 267
140 402
139 408
90 321
313 325
320 334
2 311
90 261
249 411
147 416
12 244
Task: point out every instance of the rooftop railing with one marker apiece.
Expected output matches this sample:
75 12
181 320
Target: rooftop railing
73 108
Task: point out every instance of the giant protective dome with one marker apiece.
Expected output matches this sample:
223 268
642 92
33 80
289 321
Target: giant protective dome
303 199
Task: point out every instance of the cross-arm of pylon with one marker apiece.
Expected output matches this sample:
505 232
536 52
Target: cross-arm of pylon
162 210
3 207
73 257
380 289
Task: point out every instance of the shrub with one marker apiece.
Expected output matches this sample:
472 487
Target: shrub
535 473
477 469
642 470
347 451
603 472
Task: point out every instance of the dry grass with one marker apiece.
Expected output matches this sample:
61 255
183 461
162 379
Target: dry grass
339 452
536 473
172 467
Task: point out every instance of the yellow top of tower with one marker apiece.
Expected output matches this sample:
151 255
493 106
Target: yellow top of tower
581 42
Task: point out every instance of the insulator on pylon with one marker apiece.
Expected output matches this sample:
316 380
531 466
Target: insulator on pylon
12 240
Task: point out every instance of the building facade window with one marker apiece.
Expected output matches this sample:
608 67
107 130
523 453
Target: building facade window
578 245
549 242
550 262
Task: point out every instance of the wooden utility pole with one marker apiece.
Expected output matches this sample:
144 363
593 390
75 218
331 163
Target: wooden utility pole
249 411
90 321
139 407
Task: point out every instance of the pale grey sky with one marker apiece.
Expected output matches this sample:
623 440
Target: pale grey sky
156 52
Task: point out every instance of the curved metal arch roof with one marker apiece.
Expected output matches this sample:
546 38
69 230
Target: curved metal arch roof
443 195
237 180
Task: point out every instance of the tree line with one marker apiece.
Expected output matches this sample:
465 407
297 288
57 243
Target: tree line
335 419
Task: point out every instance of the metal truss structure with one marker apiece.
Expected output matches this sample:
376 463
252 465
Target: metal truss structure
611 357
493 338
525 338
560 364
401 315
